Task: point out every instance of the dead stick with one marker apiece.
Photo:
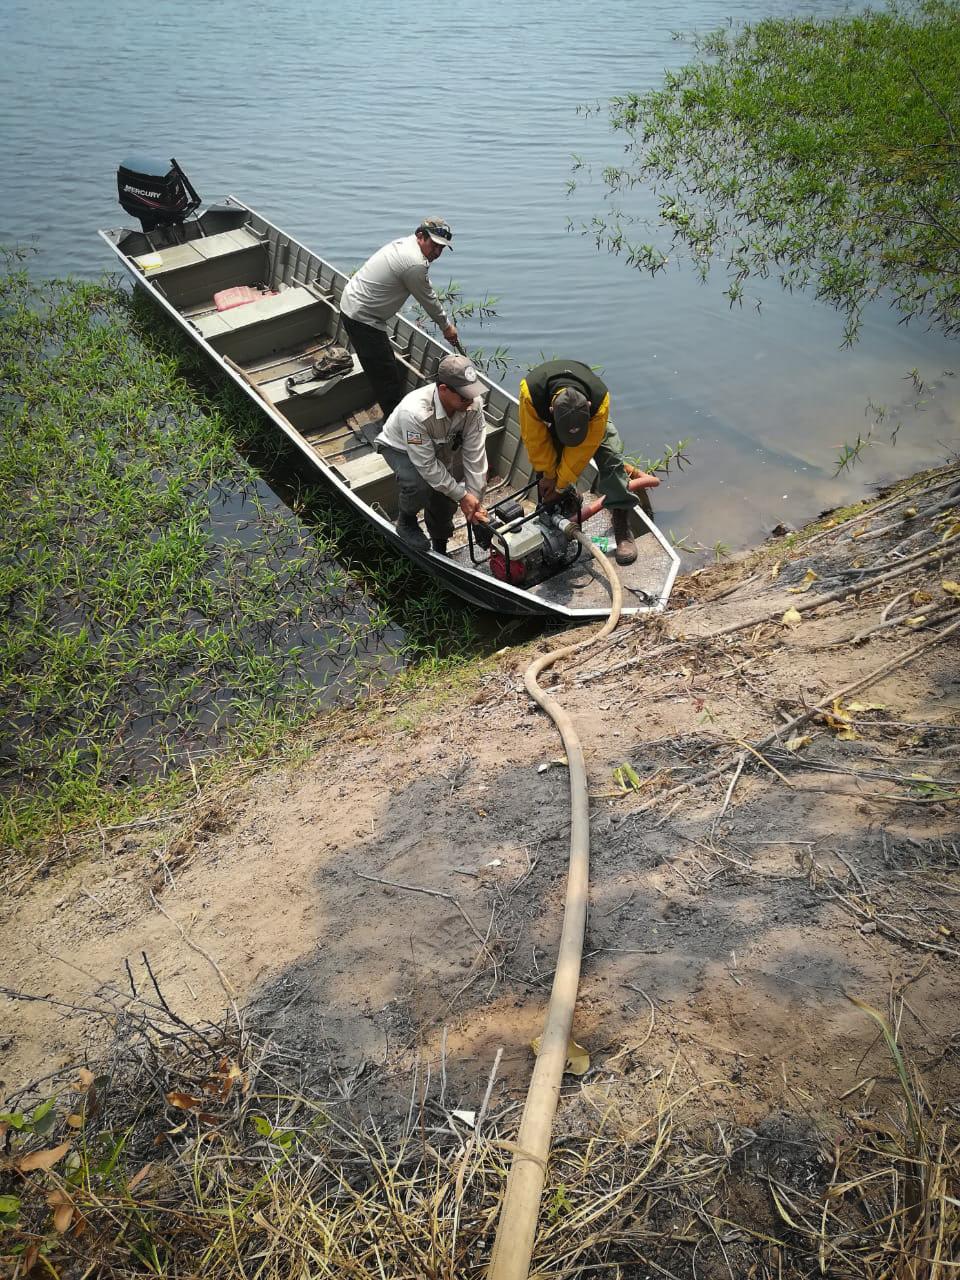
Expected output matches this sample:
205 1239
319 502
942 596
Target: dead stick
763 760
855 687
901 497
486 1097
829 597
433 893
195 946
742 760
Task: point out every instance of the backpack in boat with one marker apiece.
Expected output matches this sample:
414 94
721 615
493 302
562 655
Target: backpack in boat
333 362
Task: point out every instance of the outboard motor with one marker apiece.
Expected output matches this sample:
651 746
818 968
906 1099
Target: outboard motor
157 192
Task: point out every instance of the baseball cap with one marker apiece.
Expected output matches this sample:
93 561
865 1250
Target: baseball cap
571 415
458 373
438 231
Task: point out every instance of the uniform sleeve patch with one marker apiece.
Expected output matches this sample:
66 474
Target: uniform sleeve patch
414 437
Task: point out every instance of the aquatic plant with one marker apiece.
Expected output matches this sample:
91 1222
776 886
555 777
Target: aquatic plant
159 603
821 152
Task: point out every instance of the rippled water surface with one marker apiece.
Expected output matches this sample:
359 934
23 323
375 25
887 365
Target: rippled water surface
345 124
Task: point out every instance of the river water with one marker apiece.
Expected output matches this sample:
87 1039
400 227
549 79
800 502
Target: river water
345 124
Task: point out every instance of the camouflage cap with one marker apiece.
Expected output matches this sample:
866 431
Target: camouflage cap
438 231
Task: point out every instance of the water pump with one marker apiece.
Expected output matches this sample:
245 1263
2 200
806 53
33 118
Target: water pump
527 548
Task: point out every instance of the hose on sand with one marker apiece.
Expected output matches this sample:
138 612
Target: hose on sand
517 1228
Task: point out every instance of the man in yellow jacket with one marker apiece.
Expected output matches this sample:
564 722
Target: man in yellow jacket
564 411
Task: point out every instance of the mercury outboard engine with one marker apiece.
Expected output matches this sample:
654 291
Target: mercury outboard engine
157 192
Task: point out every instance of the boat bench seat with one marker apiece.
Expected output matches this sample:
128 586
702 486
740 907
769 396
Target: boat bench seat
276 390
369 468
372 468
176 256
220 322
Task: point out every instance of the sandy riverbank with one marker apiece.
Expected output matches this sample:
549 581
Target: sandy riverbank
732 912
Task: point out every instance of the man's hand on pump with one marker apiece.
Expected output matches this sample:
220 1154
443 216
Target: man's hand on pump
472 509
548 489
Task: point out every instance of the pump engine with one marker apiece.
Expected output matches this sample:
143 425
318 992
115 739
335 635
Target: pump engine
527 548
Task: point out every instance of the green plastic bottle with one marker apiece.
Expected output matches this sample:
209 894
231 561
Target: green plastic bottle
602 542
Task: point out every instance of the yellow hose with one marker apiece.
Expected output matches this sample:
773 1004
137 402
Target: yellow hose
517 1228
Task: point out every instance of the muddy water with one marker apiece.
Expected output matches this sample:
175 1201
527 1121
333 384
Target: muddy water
347 123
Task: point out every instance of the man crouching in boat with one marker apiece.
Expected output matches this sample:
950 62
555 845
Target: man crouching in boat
434 441
564 409
376 292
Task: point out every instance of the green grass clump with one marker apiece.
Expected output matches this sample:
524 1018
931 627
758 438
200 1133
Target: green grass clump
159 604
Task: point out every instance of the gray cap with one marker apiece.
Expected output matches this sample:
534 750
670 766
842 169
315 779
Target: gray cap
458 373
438 231
571 415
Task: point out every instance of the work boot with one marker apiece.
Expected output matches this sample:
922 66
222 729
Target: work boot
408 527
626 543
439 545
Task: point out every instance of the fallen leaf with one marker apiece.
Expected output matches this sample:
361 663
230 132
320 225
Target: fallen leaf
578 1059
809 578
85 1079
775 570
468 1117
921 597
560 762
802 740
839 713
45 1159
944 931
918 621
951 532
185 1101
950 587
75 1120
792 618
909 512
139 1176
62 1207
866 706
848 735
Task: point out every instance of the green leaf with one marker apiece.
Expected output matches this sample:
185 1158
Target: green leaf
44 1117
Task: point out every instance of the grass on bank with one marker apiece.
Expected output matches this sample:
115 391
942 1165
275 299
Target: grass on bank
204 1150
160 608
